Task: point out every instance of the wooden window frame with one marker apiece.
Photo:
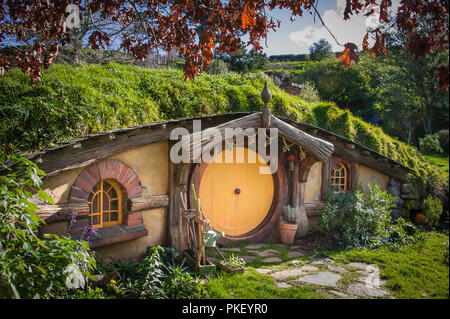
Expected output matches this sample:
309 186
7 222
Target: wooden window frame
101 192
339 172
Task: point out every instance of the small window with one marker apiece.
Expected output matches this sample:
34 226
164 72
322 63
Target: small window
338 180
105 204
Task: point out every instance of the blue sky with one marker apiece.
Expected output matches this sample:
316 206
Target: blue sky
296 37
279 42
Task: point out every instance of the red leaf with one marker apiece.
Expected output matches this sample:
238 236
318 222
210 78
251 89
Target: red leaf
248 15
349 54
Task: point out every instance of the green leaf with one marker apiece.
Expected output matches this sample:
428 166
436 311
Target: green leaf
45 196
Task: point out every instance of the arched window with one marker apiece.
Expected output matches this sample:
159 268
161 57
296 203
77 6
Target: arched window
105 204
338 179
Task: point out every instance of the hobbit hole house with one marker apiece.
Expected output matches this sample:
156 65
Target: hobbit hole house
124 184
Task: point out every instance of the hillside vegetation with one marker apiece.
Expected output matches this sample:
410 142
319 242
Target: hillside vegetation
76 101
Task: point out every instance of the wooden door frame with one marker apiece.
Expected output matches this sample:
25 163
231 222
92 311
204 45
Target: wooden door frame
269 224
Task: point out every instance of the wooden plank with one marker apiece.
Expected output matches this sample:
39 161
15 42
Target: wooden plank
60 212
319 148
149 202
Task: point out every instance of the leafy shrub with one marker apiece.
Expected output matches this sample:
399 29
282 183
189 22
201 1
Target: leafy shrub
443 139
358 219
430 144
31 267
123 266
159 275
217 66
432 208
309 93
179 284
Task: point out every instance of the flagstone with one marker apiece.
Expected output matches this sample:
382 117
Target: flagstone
309 268
324 278
365 291
293 254
365 278
266 253
358 265
293 262
254 246
264 271
322 261
339 294
283 285
283 274
235 249
338 269
272 260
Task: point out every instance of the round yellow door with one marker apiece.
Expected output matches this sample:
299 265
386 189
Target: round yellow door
235 197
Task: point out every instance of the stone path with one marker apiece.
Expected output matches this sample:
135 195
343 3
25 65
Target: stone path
337 280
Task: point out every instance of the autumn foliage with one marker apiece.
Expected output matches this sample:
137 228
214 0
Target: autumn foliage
194 30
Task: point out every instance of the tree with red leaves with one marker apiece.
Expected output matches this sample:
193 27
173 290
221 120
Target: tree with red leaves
194 30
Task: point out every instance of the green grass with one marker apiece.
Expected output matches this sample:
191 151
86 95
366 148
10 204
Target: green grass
414 272
440 160
252 285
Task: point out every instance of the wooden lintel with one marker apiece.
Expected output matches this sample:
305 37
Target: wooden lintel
149 202
85 151
350 146
319 148
60 212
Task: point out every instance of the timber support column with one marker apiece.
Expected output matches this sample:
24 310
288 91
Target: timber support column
298 195
178 183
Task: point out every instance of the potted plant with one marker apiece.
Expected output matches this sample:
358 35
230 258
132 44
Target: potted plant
288 225
232 264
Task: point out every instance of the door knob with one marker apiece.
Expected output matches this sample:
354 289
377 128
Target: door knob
237 191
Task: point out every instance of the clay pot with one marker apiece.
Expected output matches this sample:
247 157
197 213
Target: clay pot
420 219
287 232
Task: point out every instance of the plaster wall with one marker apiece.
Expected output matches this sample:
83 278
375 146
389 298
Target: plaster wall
151 165
314 183
367 176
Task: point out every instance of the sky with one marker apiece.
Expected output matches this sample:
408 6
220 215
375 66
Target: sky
296 37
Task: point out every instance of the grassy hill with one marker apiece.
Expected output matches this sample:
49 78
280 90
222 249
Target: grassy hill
76 101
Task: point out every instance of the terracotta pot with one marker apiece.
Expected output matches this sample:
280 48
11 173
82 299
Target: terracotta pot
420 219
287 232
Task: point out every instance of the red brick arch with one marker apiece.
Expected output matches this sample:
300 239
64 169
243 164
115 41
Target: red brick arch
105 169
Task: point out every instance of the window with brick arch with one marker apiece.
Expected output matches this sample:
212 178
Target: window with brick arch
338 179
105 204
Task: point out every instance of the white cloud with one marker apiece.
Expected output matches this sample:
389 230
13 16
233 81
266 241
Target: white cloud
352 30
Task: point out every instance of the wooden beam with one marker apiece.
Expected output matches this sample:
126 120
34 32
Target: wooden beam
85 151
60 212
350 146
196 141
319 148
149 202
382 166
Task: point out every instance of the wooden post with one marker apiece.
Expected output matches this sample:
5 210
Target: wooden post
298 199
265 97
